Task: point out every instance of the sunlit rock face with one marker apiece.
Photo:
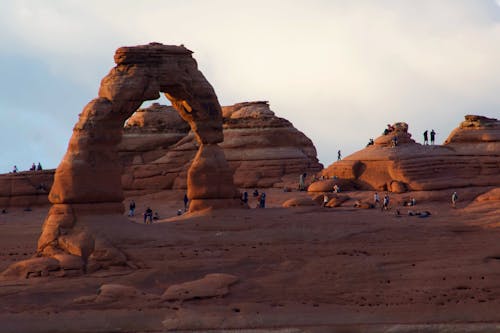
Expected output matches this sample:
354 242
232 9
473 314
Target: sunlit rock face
88 183
262 149
158 147
469 157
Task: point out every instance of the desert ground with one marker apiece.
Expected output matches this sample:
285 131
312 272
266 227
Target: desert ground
303 269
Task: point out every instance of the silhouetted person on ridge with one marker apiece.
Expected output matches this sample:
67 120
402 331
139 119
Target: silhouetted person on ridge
14 169
33 167
433 136
426 138
39 167
339 155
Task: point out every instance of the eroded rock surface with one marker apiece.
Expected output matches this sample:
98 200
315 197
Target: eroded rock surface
262 149
211 285
469 157
87 182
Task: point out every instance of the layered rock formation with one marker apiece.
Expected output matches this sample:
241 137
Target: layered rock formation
87 183
25 189
157 149
469 157
263 150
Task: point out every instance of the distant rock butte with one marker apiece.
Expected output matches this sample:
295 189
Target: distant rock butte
469 157
263 150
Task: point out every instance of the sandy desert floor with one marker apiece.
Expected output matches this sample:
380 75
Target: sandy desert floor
307 269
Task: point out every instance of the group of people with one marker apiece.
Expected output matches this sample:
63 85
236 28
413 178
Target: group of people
411 202
34 167
148 213
426 137
385 202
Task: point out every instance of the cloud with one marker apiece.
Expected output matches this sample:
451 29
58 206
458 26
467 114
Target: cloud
339 70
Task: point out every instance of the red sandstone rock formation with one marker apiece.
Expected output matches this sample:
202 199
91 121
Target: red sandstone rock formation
88 179
262 149
469 157
157 149
25 189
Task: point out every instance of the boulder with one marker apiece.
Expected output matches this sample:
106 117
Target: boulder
299 202
211 285
398 187
491 195
69 262
80 244
337 200
327 185
116 293
34 267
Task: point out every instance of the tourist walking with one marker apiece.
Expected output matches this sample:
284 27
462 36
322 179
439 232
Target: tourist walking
339 155
385 203
376 200
131 207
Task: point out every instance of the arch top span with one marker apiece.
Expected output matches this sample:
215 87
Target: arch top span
90 172
87 186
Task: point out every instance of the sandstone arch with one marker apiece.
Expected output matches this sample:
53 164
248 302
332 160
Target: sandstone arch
88 179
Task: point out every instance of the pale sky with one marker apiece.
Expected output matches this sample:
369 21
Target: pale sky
338 70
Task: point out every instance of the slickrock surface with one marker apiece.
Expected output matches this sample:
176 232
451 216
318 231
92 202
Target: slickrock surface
302 269
469 157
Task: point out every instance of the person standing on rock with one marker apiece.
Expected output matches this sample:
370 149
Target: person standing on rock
244 197
433 136
339 155
262 200
376 200
131 207
385 204
39 167
325 200
148 214
454 198
186 200
426 138
302 182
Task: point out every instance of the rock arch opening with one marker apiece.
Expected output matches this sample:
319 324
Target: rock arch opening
88 179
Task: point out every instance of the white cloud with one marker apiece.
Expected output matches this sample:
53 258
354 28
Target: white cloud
339 70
